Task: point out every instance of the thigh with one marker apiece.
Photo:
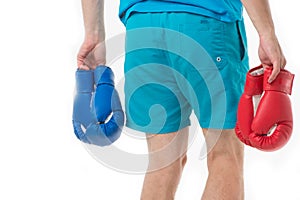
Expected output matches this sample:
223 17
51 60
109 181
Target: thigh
165 149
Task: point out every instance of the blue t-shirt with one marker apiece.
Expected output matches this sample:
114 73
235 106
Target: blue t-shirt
224 10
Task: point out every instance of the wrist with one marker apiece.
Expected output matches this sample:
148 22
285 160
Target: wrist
267 31
267 35
94 37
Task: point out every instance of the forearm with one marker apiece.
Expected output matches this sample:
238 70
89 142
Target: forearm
93 15
260 15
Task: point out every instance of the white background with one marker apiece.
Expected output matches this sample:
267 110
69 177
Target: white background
40 156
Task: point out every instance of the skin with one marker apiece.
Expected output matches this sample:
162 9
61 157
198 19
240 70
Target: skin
225 157
92 51
224 161
269 50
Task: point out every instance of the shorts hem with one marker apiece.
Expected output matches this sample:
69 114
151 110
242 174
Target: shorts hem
164 130
224 125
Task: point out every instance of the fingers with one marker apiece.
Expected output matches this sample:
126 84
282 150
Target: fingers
89 57
83 67
80 60
277 66
275 72
271 55
84 60
81 57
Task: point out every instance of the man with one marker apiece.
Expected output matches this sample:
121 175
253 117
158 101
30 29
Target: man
164 26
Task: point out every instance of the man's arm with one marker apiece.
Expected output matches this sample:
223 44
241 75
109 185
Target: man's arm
92 51
269 50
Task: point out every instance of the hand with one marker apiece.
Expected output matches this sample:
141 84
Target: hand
91 54
271 55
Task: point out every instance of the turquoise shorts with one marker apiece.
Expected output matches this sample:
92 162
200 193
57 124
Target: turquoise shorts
176 63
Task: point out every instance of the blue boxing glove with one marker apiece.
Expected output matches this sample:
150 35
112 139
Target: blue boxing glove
102 103
82 115
106 101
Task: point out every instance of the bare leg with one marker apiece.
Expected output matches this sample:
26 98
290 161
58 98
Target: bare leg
167 157
225 166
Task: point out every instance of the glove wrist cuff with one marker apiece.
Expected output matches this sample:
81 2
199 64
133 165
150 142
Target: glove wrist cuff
282 83
103 75
254 81
84 81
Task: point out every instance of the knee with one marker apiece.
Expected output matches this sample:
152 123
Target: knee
178 165
216 156
230 161
227 151
174 167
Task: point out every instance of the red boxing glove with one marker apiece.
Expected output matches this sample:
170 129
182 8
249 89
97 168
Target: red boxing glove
274 112
245 114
